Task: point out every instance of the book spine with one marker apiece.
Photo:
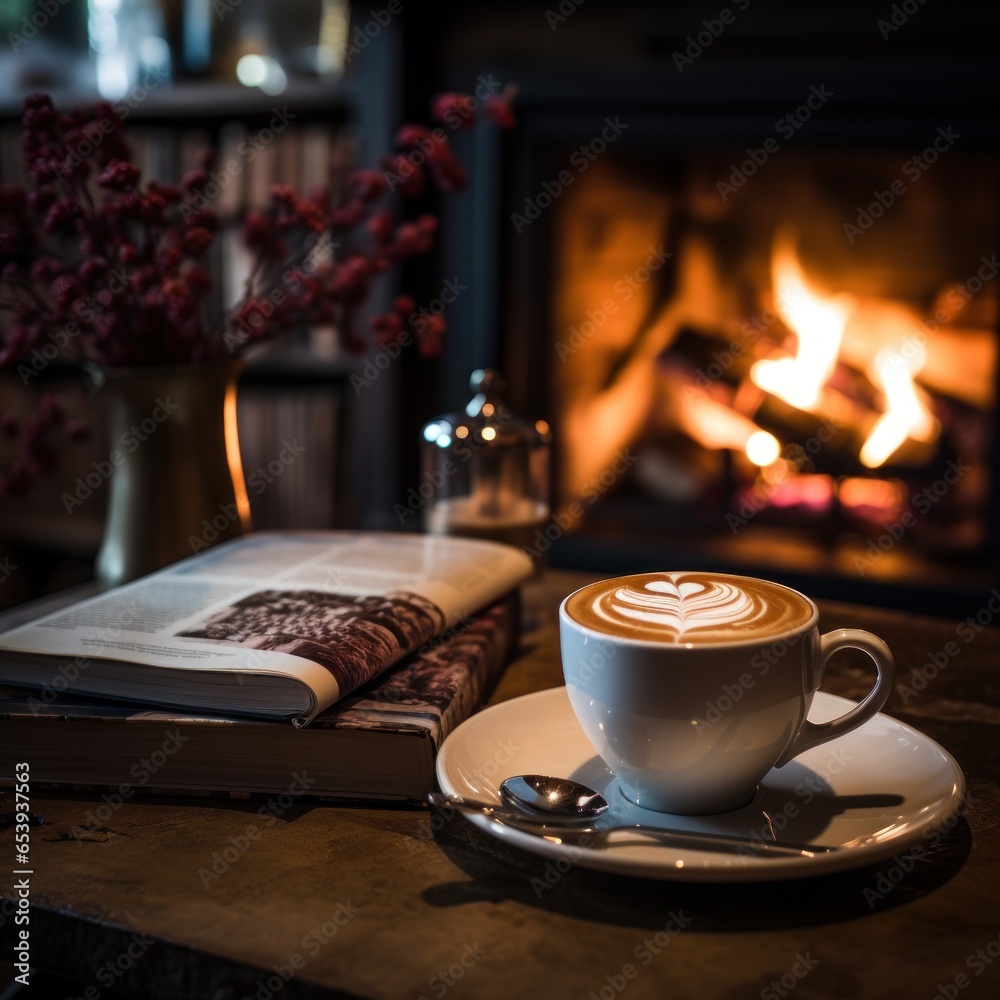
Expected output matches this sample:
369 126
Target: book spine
501 627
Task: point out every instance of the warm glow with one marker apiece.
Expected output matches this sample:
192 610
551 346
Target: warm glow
905 416
715 426
777 472
815 492
884 498
762 448
818 322
489 433
232 438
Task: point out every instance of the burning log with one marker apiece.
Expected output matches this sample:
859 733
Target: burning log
828 441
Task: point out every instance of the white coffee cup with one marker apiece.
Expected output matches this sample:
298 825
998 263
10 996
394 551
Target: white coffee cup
692 686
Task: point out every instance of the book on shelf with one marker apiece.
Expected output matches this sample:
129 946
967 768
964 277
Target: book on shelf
275 625
378 743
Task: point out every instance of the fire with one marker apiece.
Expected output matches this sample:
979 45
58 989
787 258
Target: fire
716 426
905 416
762 448
818 322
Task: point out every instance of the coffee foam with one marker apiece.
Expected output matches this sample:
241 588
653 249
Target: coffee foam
689 608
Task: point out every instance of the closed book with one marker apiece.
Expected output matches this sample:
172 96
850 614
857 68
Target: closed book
378 743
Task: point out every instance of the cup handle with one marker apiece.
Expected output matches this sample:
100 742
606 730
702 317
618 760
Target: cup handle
811 734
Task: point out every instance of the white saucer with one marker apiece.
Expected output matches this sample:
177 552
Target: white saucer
873 792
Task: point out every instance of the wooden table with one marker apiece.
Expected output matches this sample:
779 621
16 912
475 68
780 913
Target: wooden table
379 902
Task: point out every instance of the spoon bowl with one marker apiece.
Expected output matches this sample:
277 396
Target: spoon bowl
561 800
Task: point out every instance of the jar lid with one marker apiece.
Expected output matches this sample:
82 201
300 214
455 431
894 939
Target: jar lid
486 419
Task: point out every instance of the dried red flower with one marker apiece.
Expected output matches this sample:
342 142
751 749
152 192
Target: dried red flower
499 110
380 226
403 172
169 259
170 193
196 240
65 289
454 110
197 279
427 224
408 241
409 136
92 269
386 328
256 230
119 176
128 253
429 335
445 168
368 185
312 216
195 180
123 269
349 216
205 218
62 215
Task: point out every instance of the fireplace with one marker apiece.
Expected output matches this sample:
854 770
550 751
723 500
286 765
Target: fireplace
779 363
754 295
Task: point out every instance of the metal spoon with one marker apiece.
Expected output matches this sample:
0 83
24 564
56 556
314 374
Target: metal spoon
568 811
562 800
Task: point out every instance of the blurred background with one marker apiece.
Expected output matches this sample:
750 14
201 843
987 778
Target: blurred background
740 258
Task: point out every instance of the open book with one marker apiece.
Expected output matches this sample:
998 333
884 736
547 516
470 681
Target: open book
377 743
275 625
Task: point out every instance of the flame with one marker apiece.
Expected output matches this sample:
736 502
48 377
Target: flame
818 322
906 416
716 426
762 448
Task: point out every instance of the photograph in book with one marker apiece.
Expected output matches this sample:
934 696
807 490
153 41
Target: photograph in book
352 636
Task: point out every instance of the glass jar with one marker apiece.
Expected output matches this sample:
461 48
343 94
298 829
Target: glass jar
489 469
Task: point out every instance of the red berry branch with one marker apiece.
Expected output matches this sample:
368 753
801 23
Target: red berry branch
98 265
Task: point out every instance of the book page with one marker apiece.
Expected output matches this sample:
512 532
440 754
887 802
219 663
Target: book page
330 609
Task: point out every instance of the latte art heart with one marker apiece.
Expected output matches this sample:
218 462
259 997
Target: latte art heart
689 607
679 609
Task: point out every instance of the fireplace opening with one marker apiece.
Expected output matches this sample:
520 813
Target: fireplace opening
785 362
753 295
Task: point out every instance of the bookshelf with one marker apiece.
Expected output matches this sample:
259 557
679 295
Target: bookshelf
298 388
